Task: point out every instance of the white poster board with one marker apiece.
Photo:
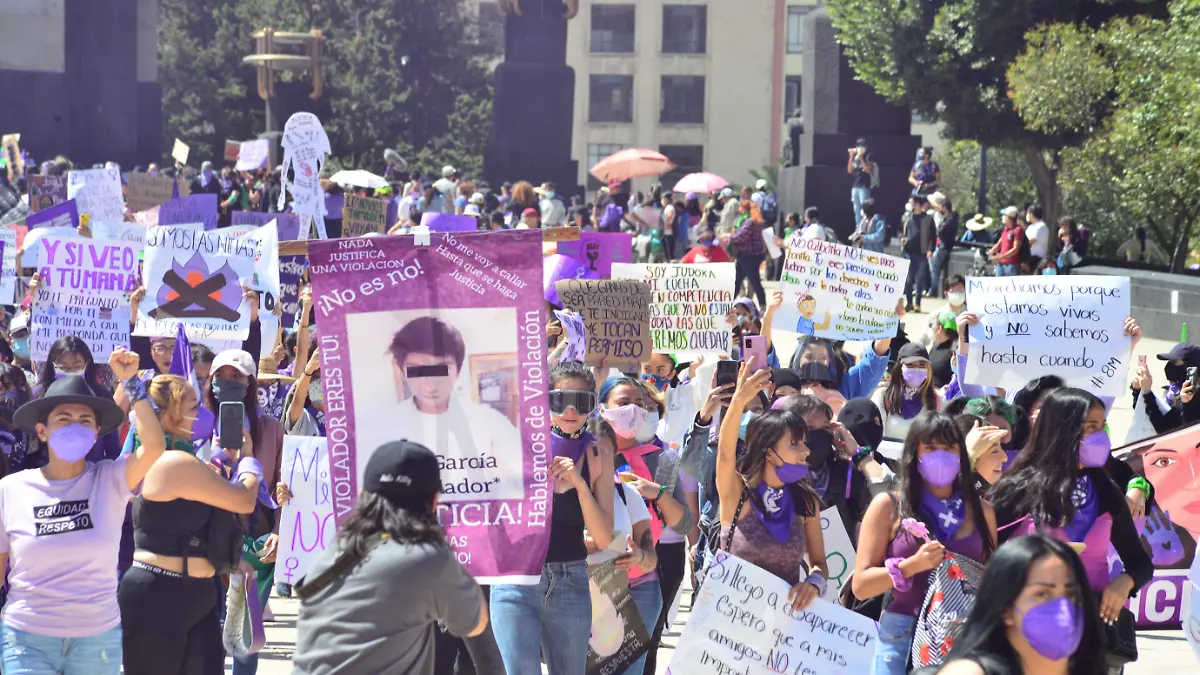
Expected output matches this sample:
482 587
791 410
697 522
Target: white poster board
306 527
97 193
688 304
839 552
103 323
8 277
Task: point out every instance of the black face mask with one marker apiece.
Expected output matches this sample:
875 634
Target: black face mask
1175 373
228 391
820 448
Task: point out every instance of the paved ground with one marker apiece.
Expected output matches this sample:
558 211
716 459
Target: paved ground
1161 651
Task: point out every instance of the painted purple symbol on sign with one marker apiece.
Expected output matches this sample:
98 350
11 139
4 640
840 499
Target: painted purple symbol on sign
191 291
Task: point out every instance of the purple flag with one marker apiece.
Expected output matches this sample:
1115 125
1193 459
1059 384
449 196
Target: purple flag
444 345
65 214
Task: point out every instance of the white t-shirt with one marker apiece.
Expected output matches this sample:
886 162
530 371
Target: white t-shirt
63 538
625 515
649 215
815 231
1039 238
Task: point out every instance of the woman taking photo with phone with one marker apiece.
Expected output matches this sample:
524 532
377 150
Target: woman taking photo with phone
60 529
170 610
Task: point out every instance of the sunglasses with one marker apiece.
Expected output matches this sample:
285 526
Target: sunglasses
582 402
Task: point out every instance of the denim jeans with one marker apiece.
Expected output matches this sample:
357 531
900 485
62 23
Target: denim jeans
29 654
858 195
917 280
1007 270
895 642
938 268
552 618
649 601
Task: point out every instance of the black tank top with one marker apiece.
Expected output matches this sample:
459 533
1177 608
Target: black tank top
566 521
165 528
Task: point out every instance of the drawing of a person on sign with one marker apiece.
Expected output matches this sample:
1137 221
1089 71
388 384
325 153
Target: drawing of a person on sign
478 446
805 325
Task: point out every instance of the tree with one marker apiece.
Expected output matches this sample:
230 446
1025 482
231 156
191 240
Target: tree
1008 181
1135 95
947 59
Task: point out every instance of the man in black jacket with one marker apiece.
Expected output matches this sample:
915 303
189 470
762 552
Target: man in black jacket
947 233
918 244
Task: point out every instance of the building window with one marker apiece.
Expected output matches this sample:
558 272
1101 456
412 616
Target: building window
685 29
597 152
687 159
612 29
682 99
491 28
791 98
610 98
795 29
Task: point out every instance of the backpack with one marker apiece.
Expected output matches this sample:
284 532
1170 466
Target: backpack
222 543
953 587
770 209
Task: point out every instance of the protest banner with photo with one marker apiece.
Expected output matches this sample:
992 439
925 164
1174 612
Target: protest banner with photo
1072 326
688 304
102 268
200 208
619 636
103 323
46 191
839 292
444 345
252 155
363 215
180 151
65 214
599 250
575 334
743 623
616 316
196 278
839 552
144 192
97 193
448 222
306 526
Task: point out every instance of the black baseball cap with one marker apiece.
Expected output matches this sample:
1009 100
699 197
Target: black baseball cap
1184 351
912 353
402 469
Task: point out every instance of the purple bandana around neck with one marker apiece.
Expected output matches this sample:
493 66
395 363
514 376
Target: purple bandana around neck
1086 500
571 448
1173 391
911 407
777 511
946 515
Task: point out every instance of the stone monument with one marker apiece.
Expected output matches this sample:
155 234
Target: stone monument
837 109
534 105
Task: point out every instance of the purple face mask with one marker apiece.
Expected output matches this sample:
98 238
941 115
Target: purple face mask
939 468
72 442
1095 449
1054 628
915 377
791 473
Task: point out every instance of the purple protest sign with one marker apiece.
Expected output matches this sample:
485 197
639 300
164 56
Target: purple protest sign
556 268
46 191
190 209
253 155
443 345
448 222
65 214
288 223
599 250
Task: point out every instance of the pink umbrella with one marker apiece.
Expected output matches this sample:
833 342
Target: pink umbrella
701 183
632 163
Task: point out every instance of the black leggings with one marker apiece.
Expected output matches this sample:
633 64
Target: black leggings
170 625
746 268
672 567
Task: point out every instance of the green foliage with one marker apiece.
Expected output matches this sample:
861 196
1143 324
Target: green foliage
770 173
1008 181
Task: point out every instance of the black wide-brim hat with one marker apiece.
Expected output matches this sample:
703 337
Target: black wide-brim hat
73 389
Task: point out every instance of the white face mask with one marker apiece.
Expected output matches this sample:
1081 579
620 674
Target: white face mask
956 299
649 428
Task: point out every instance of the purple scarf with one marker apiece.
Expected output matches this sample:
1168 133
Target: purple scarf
911 407
777 510
1087 508
572 448
946 515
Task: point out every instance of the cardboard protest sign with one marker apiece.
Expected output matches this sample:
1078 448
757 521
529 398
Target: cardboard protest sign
363 215
306 526
619 636
144 192
46 191
575 333
252 155
304 146
1072 326
839 292
97 193
102 268
480 402
599 250
101 322
448 222
201 208
839 552
288 224
617 318
61 215
196 278
180 151
742 623
13 160
688 304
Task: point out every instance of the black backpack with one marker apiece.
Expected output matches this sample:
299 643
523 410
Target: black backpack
222 543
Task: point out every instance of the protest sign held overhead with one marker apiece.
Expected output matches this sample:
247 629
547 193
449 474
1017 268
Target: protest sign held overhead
97 193
688 304
288 224
363 215
144 191
252 155
102 268
575 334
8 277
447 342
200 208
304 148
597 251
839 292
180 151
103 323
743 623
306 526
616 315
46 191
14 162
65 214
1071 326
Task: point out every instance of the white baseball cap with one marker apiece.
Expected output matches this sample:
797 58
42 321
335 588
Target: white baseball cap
761 184
1010 212
237 358
448 171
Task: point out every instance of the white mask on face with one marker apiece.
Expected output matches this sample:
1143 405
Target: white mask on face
956 298
649 428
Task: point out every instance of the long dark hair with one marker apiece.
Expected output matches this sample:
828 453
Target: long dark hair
1034 389
1041 480
70 344
836 365
693 208
763 432
412 520
937 428
893 395
985 636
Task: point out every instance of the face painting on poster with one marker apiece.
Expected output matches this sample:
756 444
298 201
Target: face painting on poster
445 341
